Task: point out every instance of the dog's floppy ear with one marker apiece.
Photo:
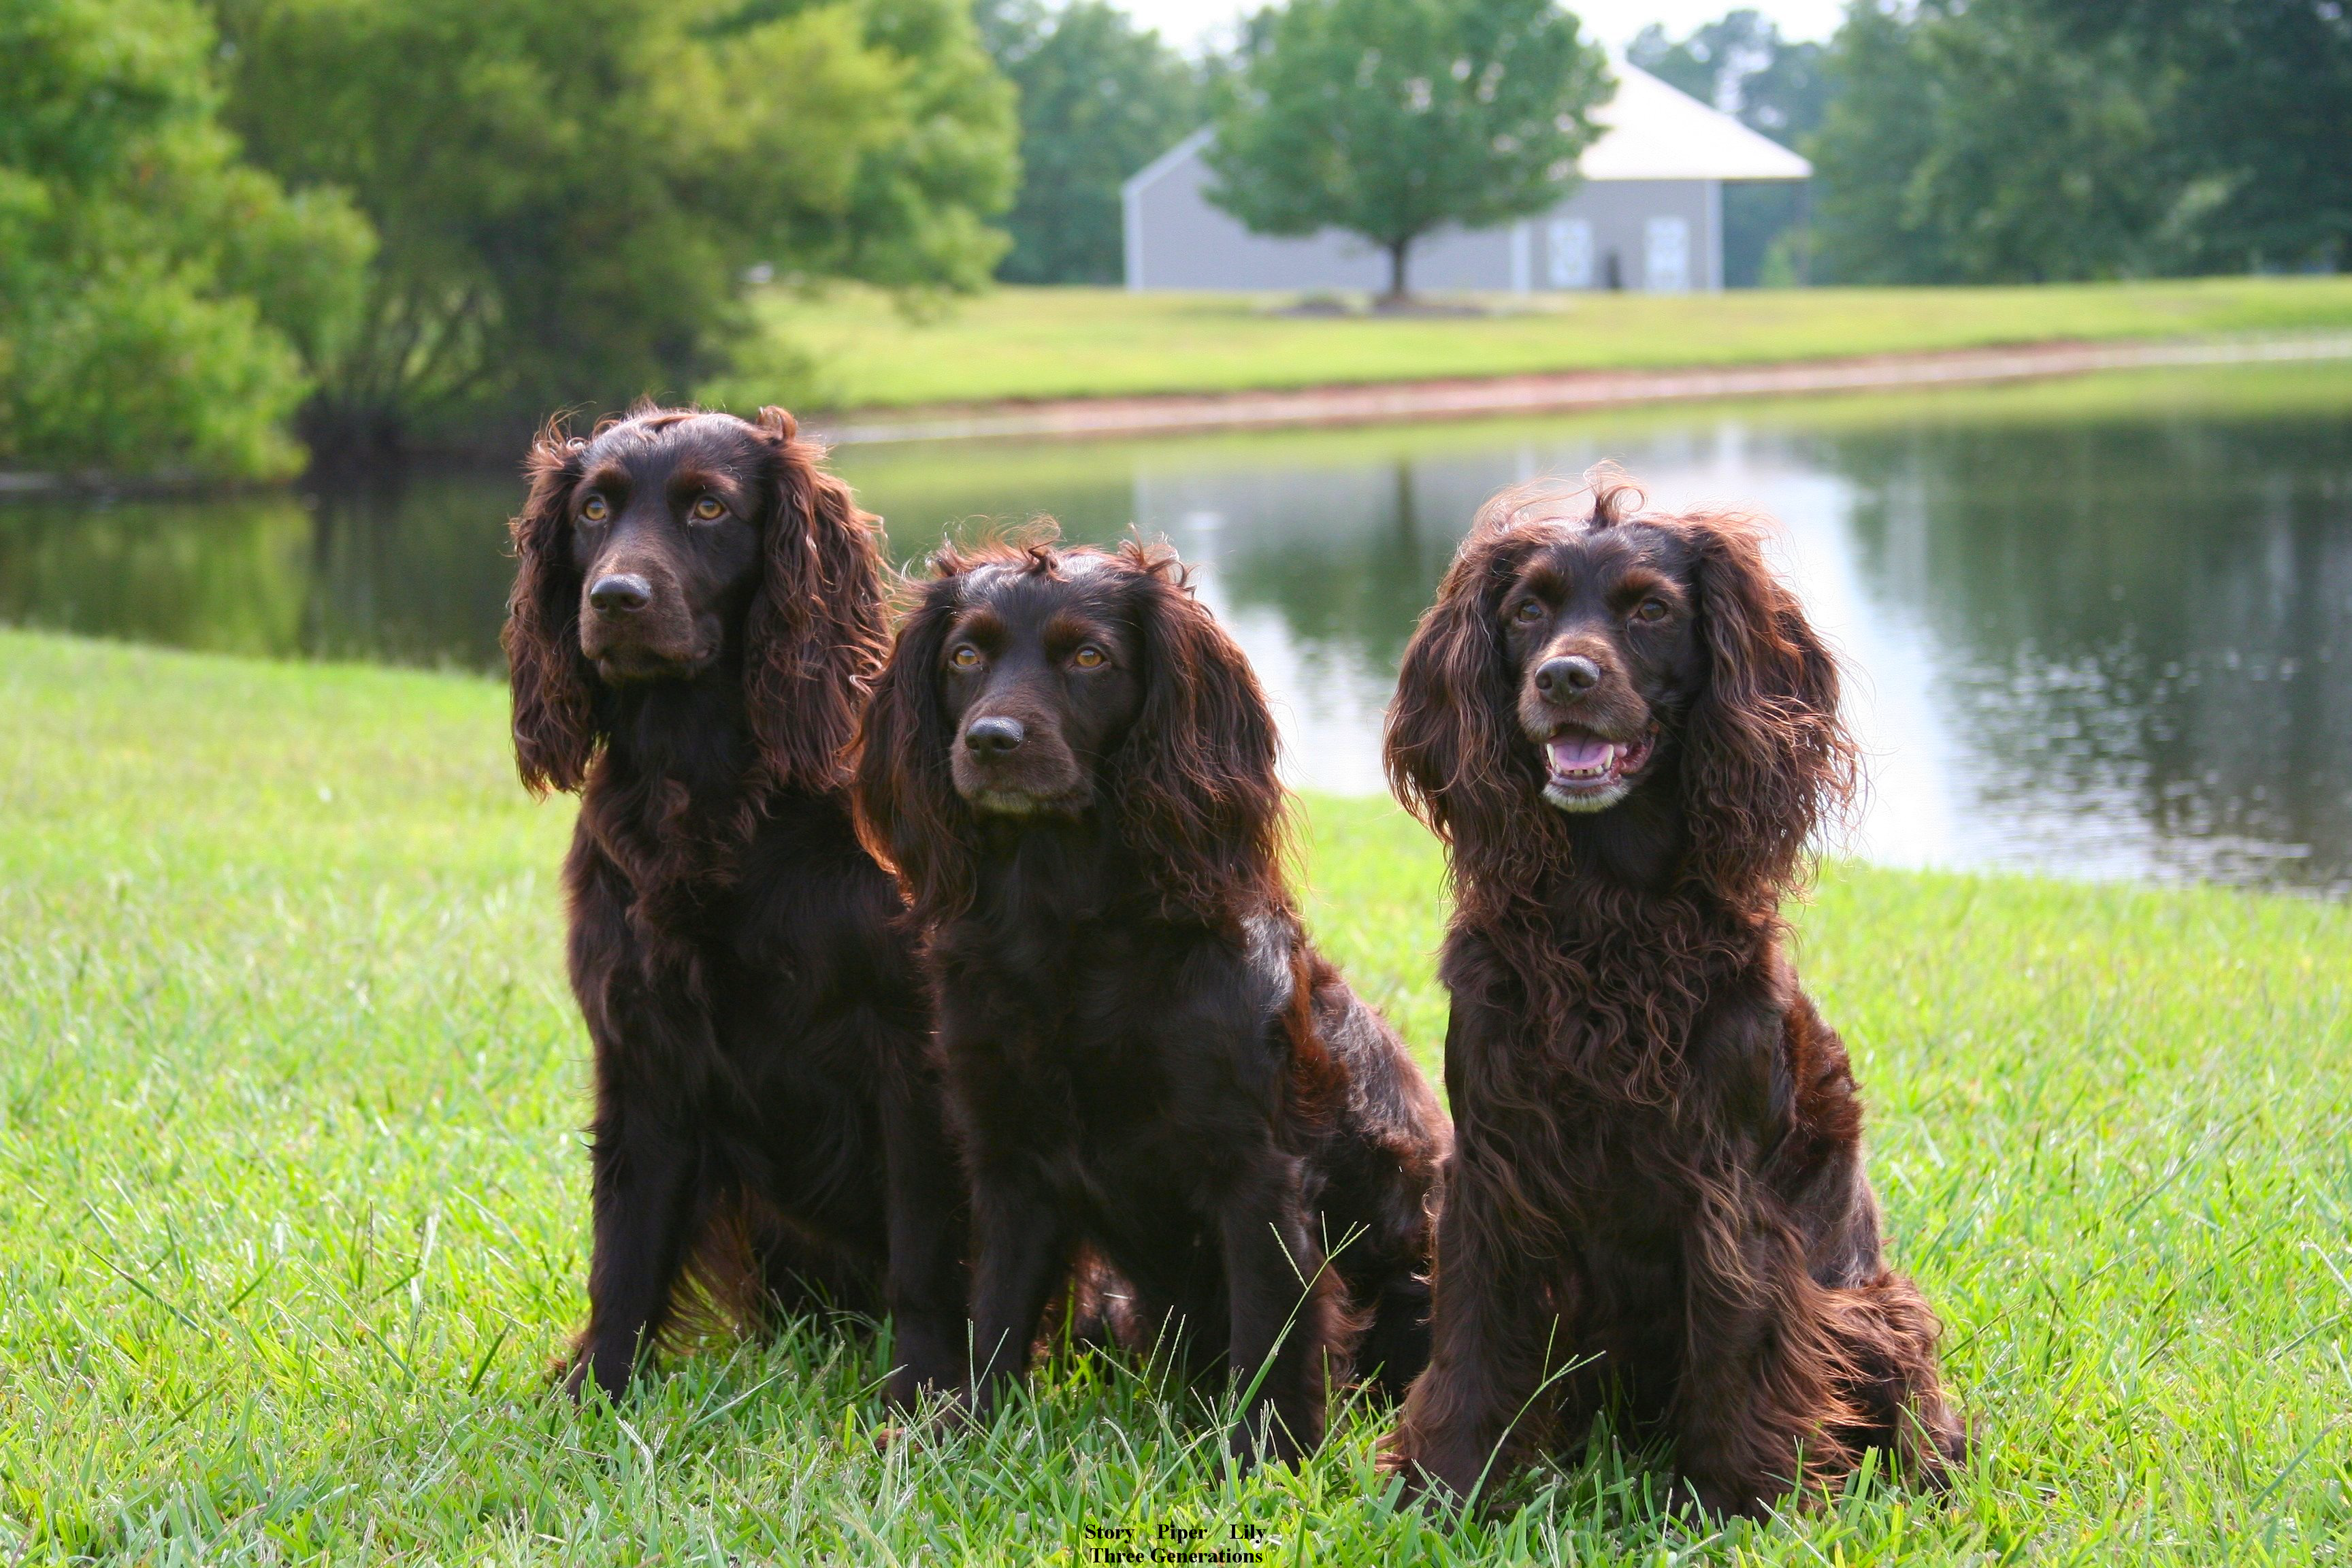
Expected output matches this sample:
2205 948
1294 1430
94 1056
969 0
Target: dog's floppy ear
1194 779
1452 740
1769 760
909 816
816 631
554 713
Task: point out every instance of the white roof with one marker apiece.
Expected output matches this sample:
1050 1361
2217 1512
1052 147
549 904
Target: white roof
1183 153
1652 132
1657 132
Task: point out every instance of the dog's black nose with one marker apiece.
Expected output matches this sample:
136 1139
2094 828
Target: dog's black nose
1565 677
620 593
994 737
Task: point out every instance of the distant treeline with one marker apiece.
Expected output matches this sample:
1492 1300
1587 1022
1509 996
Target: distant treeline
1954 141
232 227
1996 141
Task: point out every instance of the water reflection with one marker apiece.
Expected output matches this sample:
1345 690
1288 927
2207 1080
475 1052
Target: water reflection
231 576
2099 627
411 573
2144 665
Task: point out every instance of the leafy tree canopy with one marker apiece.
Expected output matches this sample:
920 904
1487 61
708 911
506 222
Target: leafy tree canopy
1982 140
570 196
2259 121
1968 143
1099 100
1390 118
154 290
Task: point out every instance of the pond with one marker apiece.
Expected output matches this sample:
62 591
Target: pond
2096 627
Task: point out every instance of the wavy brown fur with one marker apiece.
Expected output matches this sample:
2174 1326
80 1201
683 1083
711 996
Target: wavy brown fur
1194 786
1145 1057
1657 1183
817 626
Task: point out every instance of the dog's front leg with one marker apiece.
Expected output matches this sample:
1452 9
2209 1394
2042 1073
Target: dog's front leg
653 1053
1285 1304
1757 1407
926 1284
1494 1331
644 1177
1021 1254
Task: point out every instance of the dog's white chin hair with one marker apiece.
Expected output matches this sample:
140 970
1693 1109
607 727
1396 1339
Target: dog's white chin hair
1004 803
998 804
1584 805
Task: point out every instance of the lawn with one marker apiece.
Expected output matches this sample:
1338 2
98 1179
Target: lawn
292 1200
855 348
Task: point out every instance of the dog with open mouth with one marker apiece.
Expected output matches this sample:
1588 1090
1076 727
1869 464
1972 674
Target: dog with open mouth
1627 731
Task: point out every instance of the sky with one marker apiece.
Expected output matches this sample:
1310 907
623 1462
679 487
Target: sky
1187 23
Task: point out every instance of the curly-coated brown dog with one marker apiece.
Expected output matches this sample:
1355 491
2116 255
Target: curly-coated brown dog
695 621
1626 730
1073 768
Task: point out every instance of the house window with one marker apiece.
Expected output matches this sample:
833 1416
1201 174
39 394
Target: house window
1666 255
1568 253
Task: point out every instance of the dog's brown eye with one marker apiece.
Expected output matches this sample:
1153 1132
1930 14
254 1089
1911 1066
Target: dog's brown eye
965 656
1089 656
709 509
594 510
1650 610
1528 612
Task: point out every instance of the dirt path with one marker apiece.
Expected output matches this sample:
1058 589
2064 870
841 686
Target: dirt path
1080 417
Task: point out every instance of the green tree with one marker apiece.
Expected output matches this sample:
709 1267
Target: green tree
1967 141
1390 118
155 291
1099 100
2260 129
570 196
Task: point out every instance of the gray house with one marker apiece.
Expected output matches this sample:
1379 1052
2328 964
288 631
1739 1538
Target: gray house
1648 215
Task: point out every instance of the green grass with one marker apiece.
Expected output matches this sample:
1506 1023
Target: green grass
1085 342
292 1199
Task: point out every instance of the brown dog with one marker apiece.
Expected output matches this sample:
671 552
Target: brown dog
1627 731
696 617
1073 768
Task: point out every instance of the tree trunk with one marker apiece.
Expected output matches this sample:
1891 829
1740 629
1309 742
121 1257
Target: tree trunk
1400 291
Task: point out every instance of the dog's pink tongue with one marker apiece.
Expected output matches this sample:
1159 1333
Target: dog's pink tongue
1580 754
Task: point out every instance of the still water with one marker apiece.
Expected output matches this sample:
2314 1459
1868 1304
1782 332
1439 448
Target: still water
2100 627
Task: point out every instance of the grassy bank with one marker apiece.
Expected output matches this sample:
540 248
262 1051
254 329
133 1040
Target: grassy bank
1088 342
292 1200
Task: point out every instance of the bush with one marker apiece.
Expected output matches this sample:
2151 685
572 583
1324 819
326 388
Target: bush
154 291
